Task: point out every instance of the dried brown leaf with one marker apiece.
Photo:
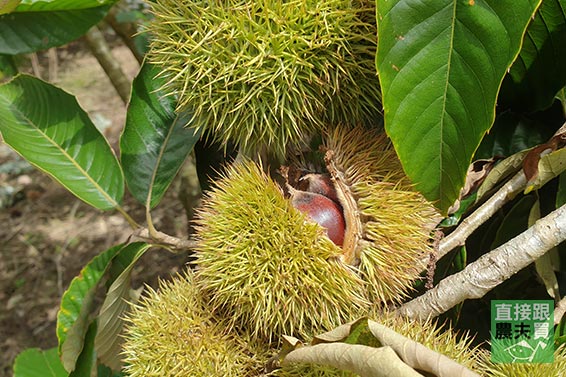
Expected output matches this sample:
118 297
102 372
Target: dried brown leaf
550 166
418 356
362 360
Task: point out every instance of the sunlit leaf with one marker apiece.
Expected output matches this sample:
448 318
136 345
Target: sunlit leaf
6 6
155 142
440 64
53 5
34 362
48 128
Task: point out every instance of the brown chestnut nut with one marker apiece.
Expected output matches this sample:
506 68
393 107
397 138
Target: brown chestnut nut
319 184
323 211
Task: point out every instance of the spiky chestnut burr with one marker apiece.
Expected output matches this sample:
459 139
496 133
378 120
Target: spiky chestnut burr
170 332
265 266
556 368
388 224
268 73
273 272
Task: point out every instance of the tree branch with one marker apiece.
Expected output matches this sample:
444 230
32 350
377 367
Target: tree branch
126 30
165 240
482 214
101 51
559 311
491 269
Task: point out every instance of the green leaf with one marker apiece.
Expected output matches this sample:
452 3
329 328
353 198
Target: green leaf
512 133
49 129
561 193
53 5
43 24
155 142
87 359
361 334
538 73
440 64
111 316
7 67
34 362
104 371
500 172
515 221
77 304
454 218
561 96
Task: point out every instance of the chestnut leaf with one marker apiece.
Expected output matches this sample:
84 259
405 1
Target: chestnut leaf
538 73
30 26
155 142
77 304
34 362
49 129
440 64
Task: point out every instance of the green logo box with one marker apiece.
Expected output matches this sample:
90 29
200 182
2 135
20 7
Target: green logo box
522 331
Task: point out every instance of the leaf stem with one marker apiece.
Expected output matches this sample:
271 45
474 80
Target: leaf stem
128 218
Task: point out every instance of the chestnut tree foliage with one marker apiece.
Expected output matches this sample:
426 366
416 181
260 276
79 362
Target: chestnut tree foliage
472 93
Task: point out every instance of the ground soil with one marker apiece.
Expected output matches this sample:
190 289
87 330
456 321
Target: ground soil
47 235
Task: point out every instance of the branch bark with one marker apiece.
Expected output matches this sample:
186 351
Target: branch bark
490 270
101 51
482 214
165 240
126 30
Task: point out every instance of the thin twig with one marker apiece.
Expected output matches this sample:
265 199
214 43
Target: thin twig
101 51
162 239
35 65
53 64
506 193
